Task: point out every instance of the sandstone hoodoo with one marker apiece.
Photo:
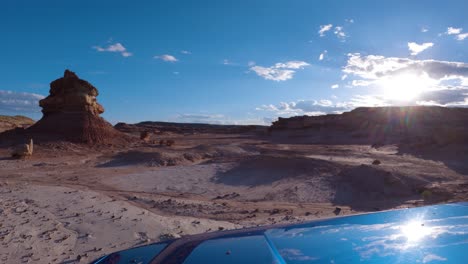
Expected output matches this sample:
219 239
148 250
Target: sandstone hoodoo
71 113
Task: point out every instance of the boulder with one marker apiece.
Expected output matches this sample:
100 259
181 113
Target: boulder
23 150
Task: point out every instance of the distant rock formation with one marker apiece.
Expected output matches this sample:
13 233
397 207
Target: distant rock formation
422 125
71 113
190 128
12 122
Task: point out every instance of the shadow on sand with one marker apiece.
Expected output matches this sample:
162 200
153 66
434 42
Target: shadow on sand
130 158
266 170
455 157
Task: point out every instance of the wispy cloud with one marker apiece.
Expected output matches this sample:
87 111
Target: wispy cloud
424 29
117 48
457 32
185 52
416 48
445 82
453 31
373 67
431 257
11 101
462 36
323 29
166 58
322 55
335 86
279 71
340 33
303 107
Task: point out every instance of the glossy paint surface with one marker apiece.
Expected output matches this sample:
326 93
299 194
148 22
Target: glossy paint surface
431 234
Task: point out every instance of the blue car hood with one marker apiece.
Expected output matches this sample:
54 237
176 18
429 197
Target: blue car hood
431 234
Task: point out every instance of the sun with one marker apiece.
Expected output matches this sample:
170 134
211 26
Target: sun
405 87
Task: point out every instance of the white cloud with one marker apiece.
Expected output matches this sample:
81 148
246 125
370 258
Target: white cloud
361 83
185 52
373 67
322 55
424 29
324 28
351 21
303 107
456 97
431 257
279 71
340 33
117 47
167 58
227 62
445 83
291 65
453 31
344 77
416 48
13 102
457 32
335 86
251 63
462 36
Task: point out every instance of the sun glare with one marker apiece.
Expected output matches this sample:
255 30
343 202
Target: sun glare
414 231
405 87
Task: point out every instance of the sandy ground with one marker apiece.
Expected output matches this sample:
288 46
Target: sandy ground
70 204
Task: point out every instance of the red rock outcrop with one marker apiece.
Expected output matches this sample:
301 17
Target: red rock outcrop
71 113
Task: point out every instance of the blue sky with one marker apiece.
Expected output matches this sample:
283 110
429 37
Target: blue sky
243 62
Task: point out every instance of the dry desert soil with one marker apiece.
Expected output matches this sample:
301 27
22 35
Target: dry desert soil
70 203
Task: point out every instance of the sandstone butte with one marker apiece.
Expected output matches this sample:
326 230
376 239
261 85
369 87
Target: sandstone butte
70 113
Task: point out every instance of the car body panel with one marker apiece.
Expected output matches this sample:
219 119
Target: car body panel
430 234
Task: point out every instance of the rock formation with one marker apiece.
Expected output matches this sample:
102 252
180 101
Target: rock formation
12 122
424 125
71 113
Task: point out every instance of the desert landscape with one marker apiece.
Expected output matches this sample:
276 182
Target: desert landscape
84 188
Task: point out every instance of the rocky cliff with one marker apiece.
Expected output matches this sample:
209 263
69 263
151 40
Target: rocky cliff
374 125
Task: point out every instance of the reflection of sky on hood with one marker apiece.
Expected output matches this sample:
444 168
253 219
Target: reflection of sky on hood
422 235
